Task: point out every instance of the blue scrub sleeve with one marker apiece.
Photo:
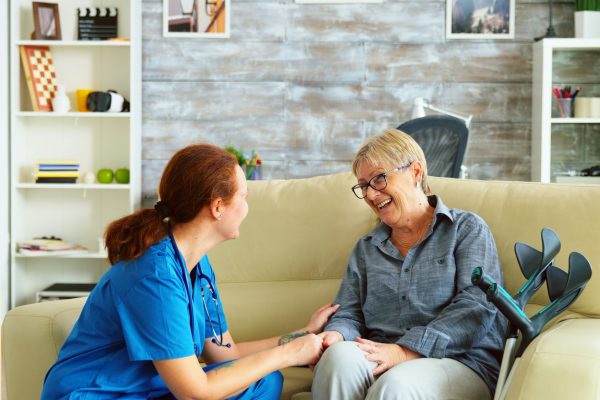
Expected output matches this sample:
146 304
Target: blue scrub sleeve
155 319
215 313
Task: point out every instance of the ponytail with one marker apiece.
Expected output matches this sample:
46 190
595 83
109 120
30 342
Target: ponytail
129 237
192 179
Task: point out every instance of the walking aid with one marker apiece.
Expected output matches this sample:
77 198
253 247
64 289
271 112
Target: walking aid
537 267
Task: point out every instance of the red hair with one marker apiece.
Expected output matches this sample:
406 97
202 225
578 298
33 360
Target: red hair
193 178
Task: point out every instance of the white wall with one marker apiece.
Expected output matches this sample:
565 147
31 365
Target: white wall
4 157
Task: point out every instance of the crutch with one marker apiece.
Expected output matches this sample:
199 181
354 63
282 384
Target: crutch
563 290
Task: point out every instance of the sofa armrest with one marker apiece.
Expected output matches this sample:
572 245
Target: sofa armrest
562 363
32 335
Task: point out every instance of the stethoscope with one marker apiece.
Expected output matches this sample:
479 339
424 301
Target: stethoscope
217 338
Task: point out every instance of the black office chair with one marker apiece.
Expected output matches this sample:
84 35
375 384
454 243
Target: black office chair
443 140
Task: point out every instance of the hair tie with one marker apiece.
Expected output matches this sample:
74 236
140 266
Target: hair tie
162 209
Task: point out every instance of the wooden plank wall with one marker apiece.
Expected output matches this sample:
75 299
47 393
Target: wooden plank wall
304 85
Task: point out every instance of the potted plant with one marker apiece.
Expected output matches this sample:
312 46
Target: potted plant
587 18
239 155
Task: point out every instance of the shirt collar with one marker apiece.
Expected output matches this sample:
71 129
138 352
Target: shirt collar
382 232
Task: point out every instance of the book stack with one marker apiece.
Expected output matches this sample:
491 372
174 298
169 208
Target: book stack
49 247
56 172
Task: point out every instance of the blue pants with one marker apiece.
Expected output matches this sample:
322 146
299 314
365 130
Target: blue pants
267 388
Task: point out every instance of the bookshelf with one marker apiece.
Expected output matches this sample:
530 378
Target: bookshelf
4 162
79 212
559 143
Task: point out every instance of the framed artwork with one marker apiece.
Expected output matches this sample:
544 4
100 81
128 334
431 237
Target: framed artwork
38 69
480 19
336 1
46 21
196 18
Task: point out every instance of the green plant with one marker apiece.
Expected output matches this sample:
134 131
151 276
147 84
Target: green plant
587 5
239 155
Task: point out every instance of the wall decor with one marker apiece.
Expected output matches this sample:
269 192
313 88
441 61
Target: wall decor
336 1
46 21
196 18
38 69
97 23
480 19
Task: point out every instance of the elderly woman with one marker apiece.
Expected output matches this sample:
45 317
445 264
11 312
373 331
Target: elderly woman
410 323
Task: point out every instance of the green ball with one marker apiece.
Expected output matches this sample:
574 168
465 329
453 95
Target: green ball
105 175
122 175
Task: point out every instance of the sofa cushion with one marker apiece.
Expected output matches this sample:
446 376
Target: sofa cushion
43 328
291 254
562 363
517 211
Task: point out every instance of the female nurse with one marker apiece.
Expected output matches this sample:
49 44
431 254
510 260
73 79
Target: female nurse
157 309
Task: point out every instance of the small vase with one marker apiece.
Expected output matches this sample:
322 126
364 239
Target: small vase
587 24
60 102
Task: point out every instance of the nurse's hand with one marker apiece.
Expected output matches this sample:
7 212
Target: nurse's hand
320 317
330 338
305 350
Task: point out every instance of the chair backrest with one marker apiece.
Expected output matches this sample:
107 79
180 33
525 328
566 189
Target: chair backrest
443 140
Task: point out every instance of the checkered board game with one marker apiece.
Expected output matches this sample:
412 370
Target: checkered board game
40 75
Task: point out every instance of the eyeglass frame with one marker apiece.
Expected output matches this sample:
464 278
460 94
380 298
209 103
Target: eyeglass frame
365 186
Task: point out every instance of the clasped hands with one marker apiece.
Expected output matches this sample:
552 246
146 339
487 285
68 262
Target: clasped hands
386 355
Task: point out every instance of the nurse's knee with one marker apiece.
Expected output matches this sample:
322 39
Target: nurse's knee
272 383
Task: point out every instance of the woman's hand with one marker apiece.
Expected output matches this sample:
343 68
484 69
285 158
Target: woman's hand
330 338
320 317
386 355
305 350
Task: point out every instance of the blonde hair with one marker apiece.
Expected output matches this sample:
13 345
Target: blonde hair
392 147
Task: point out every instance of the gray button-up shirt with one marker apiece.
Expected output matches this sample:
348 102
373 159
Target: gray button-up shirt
426 301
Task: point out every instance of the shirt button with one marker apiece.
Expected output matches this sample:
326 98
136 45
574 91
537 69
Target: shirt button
408 329
403 297
440 261
405 269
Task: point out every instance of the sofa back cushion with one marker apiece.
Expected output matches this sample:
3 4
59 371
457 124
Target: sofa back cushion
291 254
517 212
295 243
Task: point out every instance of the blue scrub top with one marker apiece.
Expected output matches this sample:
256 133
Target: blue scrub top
138 312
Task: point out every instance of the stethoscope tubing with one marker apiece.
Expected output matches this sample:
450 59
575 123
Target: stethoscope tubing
217 338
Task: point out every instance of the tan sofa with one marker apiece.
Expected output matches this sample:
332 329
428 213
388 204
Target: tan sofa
293 251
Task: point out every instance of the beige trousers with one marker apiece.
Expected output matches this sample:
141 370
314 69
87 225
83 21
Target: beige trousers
344 373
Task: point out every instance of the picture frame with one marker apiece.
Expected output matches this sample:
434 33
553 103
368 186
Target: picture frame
475 19
336 1
46 21
196 18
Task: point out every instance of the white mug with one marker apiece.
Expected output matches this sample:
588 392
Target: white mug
583 107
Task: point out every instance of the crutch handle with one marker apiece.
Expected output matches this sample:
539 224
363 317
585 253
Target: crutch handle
502 300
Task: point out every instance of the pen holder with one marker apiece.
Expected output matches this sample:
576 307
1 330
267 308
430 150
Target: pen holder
562 108
253 172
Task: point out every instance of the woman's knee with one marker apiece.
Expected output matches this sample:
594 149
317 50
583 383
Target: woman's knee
342 353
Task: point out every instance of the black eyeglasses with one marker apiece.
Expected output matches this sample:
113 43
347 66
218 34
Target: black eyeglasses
378 182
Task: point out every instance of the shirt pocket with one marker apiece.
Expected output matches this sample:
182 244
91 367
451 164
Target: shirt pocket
434 283
381 296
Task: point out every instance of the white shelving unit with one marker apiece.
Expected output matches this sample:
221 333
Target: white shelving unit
4 162
544 54
78 213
